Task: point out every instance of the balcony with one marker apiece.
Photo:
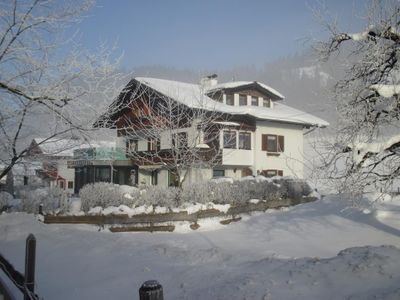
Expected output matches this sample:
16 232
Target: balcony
237 157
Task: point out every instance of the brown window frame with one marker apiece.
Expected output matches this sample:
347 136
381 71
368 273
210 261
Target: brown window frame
70 184
275 171
241 96
254 101
266 100
233 99
279 145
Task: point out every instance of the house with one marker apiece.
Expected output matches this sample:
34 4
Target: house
102 161
51 155
255 132
70 164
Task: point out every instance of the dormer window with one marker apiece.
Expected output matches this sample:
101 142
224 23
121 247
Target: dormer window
254 101
230 100
266 102
242 100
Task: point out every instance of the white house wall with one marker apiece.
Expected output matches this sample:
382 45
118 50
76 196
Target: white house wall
237 157
67 173
198 175
291 160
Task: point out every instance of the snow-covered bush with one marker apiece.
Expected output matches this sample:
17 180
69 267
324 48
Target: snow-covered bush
52 198
161 196
198 192
5 200
219 192
256 189
106 194
294 188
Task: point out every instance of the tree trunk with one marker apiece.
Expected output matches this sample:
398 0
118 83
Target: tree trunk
10 182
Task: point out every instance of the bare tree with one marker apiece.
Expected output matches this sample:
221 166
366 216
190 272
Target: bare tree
366 149
46 79
177 137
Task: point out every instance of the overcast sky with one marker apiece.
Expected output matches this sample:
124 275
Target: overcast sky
209 34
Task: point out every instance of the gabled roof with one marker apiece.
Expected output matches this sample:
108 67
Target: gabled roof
247 84
194 96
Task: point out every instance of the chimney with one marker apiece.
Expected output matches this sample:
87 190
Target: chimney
209 81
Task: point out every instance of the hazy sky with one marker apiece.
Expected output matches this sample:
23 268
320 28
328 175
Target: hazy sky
208 33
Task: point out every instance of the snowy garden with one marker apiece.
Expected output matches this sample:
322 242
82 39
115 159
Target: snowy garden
317 250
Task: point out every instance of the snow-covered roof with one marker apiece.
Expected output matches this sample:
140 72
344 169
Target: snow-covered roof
193 95
237 84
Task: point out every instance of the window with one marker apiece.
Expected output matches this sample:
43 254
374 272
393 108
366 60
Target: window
131 145
272 173
230 139
173 179
266 102
70 184
61 184
154 177
102 174
245 140
25 180
254 101
218 173
242 100
273 143
153 144
179 140
230 100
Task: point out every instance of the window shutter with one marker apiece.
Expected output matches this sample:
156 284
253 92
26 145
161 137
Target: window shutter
281 143
264 142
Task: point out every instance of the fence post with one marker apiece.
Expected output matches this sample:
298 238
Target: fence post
41 209
151 290
30 254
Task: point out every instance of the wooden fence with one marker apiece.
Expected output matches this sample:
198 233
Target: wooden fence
25 283
156 221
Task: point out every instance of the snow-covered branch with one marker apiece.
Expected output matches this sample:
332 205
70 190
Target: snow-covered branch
48 83
367 99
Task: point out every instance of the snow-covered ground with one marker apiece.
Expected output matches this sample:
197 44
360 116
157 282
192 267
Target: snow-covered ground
296 253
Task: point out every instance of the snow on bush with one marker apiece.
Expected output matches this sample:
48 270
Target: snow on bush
5 200
238 192
53 200
161 196
106 194
293 188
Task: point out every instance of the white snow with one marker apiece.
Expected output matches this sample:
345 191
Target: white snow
386 90
295 253
361 149
360 36
254 201
192 96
